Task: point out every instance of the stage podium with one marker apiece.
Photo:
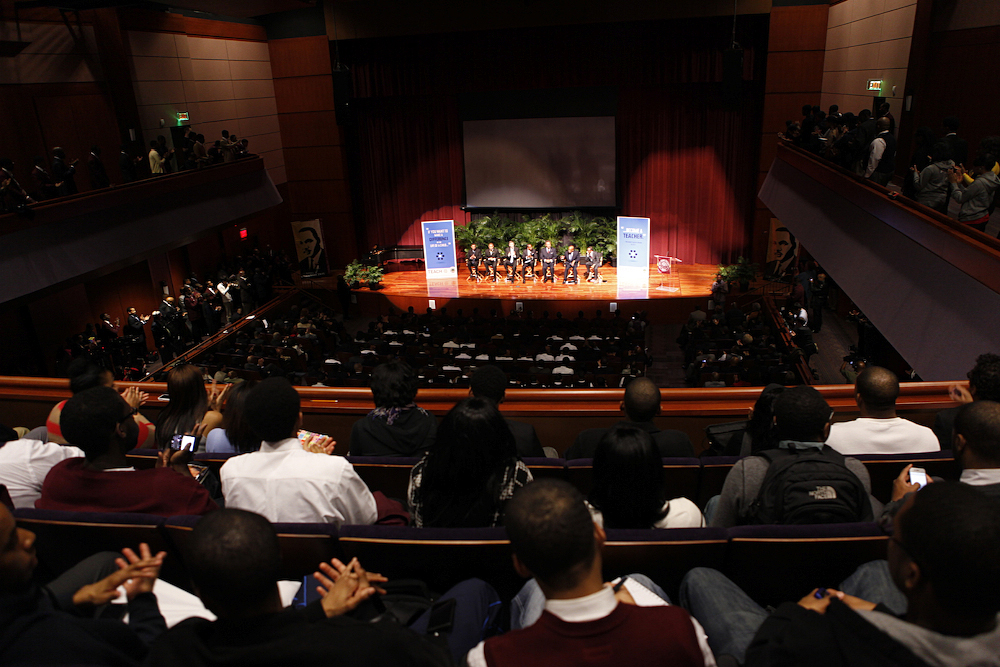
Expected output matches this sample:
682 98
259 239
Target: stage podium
663 265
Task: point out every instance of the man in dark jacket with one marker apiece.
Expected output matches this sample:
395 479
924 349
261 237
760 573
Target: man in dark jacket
491 382
641 405
55 624
941 557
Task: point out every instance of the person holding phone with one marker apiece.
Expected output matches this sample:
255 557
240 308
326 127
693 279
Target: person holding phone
190 404
101 423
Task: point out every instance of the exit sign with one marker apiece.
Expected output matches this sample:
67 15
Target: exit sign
243 233
875 85
183 115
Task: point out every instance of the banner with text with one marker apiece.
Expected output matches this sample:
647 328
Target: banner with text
633 252
440 260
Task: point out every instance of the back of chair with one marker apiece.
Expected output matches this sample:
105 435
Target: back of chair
681 476
303 545
776 564
542 468
141 459
388 474
63 539
441 557
713 475
883 469
664 555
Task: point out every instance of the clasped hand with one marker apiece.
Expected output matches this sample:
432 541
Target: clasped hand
344 587
137 575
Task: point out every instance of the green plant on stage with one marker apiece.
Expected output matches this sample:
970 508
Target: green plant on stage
357 273
743 272
582 230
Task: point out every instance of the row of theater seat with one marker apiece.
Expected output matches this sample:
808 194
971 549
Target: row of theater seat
696 479
772 563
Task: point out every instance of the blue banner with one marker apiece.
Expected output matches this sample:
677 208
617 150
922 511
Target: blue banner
440 260
633 251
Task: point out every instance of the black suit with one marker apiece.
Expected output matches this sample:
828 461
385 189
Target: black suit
671 443
570 264
127 166
64 174
315 264
98 174
528 258
472 261
510 261
492 257
959 148
548 257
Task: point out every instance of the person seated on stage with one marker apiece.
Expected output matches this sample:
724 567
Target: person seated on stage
472 259
397 426
567 614
934 602
571 261
629 489
593 263
548 257
55 624
528 258
473 470
102 424
641 405
510 261
492 259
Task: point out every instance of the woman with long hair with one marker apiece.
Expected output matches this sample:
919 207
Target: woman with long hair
234 435
471 472
759 433
190 404
629 489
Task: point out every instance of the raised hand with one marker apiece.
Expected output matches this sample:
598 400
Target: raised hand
134 397
137 576
319 444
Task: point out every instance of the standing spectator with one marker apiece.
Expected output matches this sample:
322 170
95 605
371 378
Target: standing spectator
882 154
12 195
63 174
959 147
98 174
155 159
46 184
127 163
931 183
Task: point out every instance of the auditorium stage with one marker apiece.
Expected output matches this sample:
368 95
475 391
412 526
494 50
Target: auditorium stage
687 286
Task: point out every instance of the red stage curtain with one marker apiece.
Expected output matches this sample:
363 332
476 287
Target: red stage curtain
685 161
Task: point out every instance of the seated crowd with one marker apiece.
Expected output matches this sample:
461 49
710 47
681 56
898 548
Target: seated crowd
57 177
935 601
310 347
939 170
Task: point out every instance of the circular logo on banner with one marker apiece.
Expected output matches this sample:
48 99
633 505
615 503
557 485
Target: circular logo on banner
633 254
440 256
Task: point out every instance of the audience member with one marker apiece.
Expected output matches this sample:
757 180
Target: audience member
984 385
190 404
233 558
760 433
490 382
640 405
629 489
834 488
471 472
942 559
930 184
878 430
555 541
24 463
977 197
55 624
397 426
102 424
234 434
284 482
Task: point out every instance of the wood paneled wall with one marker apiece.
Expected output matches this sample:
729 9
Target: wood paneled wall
315 161
796 46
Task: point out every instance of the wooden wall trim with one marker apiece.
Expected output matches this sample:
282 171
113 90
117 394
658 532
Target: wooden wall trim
150 21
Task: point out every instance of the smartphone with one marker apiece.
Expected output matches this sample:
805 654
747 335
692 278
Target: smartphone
183 442
442 616
918 476
304 435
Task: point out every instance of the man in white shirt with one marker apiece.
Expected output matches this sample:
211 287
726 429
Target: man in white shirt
582 621
879 430
227 299
286 483
24 465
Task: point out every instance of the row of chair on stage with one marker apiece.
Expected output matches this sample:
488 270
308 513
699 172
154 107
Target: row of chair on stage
492 259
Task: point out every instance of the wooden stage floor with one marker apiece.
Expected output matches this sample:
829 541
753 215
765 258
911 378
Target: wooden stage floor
686 281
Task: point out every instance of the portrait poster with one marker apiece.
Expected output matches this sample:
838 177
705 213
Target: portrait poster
310 248
782 251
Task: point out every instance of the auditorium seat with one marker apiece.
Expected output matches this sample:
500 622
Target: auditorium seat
441 557
664 555
681 476
542 467
303 545
884 468
775 564
388 474
713 475
63 539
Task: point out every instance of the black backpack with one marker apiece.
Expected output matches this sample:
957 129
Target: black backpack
809 486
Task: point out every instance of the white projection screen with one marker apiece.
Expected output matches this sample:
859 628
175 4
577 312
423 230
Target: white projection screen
538 163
